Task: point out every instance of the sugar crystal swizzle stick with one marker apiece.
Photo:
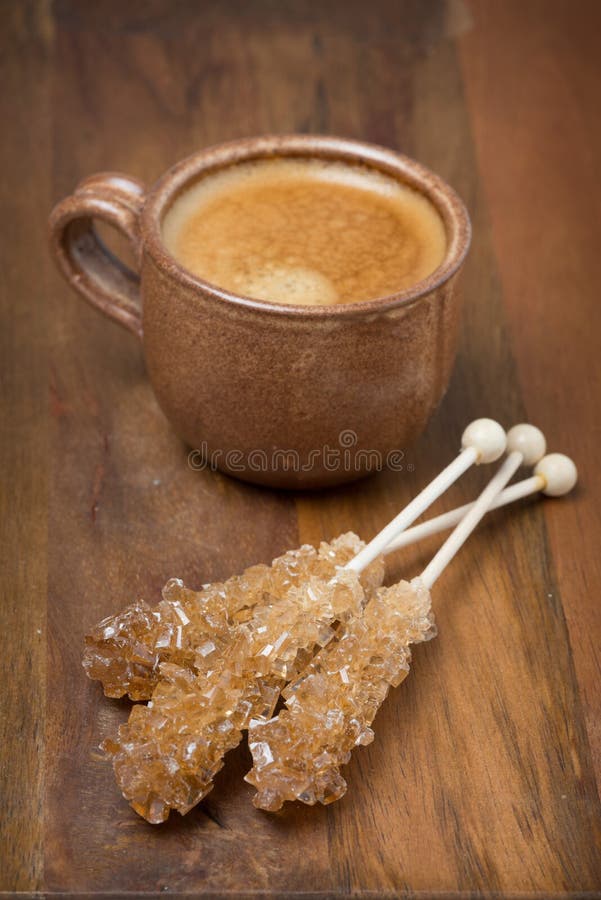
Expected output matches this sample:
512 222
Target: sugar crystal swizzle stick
331 705
166 756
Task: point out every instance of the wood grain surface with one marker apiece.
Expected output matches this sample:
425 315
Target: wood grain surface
484 776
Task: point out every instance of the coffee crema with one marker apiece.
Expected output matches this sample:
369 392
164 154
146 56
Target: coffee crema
305 231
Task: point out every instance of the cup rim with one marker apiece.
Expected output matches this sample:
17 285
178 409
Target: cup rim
448 204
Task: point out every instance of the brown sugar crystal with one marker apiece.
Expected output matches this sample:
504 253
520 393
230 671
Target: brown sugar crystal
330 706
168 753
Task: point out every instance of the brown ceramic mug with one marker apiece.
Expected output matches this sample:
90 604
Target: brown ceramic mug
289 396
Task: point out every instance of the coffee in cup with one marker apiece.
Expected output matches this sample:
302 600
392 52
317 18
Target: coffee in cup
305 231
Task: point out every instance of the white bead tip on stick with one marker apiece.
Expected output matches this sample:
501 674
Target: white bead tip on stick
559 474
483 441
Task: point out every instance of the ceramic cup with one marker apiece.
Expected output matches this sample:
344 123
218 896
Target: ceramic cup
288 396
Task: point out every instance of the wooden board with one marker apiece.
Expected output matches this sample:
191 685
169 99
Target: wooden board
484 776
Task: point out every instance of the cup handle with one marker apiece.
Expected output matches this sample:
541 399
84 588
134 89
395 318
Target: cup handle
99 276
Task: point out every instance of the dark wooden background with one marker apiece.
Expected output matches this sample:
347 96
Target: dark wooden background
484 776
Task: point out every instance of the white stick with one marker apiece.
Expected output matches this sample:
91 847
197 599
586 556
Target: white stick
479 509
447 520
483 441
417 506
554 475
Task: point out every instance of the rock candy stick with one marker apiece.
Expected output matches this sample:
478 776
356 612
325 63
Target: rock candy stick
166 756
124 651
298 754
156 765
